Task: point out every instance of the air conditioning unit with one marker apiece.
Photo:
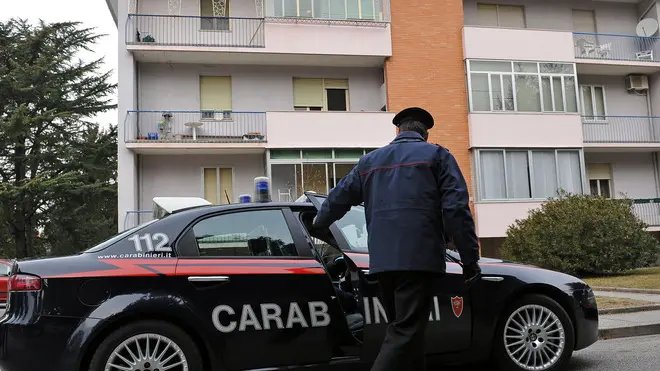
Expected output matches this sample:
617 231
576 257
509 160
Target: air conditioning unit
637 82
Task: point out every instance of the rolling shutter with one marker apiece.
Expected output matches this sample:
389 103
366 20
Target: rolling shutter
599 171
215 93
487 15
511 16
307 92
584 21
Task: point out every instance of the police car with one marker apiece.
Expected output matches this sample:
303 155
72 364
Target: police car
254 286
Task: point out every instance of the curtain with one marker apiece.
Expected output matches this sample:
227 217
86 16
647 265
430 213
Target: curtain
545 174
517 173
493 185
570 176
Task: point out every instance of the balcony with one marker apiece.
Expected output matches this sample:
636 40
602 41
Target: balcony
517 44
621 131
337 129
648 210
616 54
315 37
247 132
157 130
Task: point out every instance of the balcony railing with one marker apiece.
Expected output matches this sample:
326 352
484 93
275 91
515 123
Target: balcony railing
332 11
179 30
648 210
621 129
134 218
616 47
198 126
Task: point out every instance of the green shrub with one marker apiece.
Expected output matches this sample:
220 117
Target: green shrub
582 235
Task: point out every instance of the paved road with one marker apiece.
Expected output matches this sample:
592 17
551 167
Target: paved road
633 354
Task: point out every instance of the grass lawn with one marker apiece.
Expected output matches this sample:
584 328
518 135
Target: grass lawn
607 302
645 278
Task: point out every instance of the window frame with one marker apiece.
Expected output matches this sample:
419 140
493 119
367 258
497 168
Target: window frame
377 13
186 251
324 106
512 73
480 180
497 13
592 90
217 177
227 17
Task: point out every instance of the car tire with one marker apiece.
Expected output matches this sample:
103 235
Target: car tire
543 335
141 331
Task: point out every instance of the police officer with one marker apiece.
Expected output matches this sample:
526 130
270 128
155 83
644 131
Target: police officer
408 188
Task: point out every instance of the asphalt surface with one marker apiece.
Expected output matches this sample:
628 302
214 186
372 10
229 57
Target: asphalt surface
630 354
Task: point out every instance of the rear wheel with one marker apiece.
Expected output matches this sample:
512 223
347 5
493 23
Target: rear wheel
147 346
535 334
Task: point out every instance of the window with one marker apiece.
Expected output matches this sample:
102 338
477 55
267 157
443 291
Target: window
320 94
600 180
497 86
593 103
327 9
501 15
218 185
215 15
584 21
215 97
528 174
247 233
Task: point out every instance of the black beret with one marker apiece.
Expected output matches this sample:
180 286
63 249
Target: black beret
415 113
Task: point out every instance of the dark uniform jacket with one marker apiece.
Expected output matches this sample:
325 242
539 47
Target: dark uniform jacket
408 188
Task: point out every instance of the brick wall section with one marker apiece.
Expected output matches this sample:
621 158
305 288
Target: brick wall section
427 70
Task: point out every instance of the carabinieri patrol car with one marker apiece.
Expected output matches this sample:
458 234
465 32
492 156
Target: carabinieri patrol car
254 286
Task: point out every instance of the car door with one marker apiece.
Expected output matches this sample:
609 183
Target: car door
258 286
450 319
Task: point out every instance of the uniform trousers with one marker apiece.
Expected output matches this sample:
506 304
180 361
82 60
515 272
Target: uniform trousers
406 298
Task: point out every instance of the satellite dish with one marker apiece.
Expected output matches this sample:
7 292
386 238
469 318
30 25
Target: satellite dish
647 27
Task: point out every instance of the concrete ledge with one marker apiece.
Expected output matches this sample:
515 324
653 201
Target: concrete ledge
623 332
642 308
623 289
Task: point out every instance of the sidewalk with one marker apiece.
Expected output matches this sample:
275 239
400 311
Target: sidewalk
644 321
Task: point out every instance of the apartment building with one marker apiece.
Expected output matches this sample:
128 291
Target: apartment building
529 95
562 94
213 93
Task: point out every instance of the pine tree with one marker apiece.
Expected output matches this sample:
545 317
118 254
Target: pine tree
47 97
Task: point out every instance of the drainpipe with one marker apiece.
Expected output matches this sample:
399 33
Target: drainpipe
138 161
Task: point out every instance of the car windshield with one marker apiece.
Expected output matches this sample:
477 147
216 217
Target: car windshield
118 237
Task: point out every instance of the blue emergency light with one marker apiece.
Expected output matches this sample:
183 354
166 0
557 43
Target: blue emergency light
245 199
261 189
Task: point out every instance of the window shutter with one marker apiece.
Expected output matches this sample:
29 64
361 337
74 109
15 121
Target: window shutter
599 171
487 15
511 16
584 21
226 184
215 93
206 8
211 185
307 92
335 84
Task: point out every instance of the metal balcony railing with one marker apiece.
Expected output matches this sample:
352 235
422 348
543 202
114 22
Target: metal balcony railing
367 13
197 126
621 129
648 210
134 218
180 30
616 47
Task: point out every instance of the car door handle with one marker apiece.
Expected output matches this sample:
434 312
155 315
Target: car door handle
208 279
493 279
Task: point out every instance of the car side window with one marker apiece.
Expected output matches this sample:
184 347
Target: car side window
245 233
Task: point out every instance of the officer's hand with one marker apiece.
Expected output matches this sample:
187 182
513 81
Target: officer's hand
471 273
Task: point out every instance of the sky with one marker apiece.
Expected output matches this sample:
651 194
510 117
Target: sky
92 13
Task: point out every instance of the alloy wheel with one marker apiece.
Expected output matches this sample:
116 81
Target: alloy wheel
534 337
147 352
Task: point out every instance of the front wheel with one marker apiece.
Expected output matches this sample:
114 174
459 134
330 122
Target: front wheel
147 346
535 334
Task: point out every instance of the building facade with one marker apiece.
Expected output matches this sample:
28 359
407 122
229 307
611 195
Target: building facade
529 95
